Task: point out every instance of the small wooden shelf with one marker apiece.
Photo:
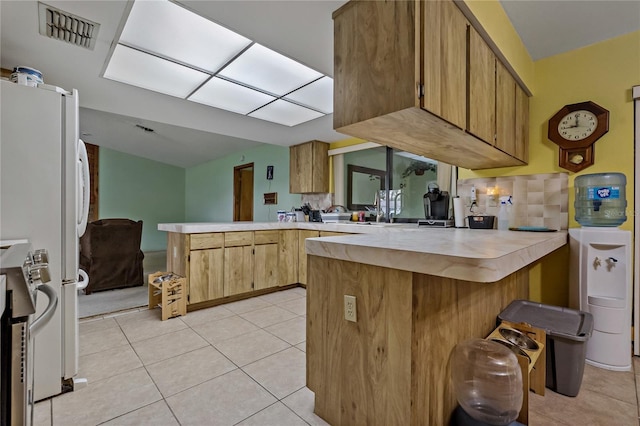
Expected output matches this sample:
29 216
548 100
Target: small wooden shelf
169 295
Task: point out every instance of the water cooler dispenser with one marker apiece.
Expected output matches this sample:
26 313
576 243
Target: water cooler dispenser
601 266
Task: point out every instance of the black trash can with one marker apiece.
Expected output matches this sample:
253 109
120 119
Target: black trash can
568 331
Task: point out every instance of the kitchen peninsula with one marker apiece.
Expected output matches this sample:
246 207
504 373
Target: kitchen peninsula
418 293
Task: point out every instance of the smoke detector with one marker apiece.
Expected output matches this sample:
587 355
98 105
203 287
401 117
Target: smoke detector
64 26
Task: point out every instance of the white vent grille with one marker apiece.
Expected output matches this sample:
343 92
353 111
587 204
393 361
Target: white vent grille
60 25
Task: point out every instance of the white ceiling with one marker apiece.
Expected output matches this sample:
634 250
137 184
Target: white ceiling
186 133
549 27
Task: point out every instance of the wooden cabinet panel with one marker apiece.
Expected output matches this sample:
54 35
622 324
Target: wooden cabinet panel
265 273
445 61
236 239
309 167
207 241
375 61
288 254
206 275
454 64
177 253
332 233
505 110
522 124
320 167
238 270
266 237
482 88
302 260
385 51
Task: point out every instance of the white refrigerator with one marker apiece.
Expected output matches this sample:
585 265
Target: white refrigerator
44 180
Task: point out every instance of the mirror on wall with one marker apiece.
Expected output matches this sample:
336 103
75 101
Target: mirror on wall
362 185
364 172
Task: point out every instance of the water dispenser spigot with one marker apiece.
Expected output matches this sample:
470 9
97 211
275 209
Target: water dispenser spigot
611 262
597 262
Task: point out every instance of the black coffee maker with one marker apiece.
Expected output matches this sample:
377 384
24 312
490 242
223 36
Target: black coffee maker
436 203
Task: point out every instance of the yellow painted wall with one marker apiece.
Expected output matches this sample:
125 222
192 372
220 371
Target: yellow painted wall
603 73
346 142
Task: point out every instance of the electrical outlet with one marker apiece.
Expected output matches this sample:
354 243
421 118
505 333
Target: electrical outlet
350 313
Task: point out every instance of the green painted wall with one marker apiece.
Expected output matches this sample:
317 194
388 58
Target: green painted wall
209 186
141 189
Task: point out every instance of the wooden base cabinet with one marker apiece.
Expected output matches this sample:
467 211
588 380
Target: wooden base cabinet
288 256
265 259
392 367
302 260
206 276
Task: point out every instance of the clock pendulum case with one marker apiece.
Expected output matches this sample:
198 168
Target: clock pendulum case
575 128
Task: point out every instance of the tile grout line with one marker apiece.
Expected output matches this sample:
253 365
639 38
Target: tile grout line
187 326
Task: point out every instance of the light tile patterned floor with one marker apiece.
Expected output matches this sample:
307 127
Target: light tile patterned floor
243 363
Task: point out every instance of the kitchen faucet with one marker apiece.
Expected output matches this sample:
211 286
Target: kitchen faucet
379 212
395 204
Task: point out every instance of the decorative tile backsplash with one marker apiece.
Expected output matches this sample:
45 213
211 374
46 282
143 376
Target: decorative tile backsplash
538 200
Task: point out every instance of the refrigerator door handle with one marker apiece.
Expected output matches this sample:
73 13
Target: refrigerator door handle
84 180
44 318
81 285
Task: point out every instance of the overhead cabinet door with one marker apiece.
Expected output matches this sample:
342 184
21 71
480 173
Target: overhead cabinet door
505 110
482 88
445 61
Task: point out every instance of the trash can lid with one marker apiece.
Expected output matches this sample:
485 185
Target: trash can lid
555 320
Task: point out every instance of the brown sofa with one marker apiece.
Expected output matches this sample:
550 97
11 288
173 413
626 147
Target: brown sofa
110 254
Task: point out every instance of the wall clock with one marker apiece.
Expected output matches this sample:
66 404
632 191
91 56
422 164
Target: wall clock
578 125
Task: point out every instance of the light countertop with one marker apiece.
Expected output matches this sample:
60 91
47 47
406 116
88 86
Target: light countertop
355 227
478 255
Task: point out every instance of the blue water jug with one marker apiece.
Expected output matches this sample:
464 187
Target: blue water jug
600 199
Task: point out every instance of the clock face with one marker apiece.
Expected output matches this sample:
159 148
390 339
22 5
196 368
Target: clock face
577 125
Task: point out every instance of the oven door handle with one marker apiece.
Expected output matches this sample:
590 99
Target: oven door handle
44 318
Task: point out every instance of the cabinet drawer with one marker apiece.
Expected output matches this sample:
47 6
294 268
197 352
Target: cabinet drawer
266 237
236 239
207 241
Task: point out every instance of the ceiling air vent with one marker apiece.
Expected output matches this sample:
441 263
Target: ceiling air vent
64 26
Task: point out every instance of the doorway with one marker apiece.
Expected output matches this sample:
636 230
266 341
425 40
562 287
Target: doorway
243 193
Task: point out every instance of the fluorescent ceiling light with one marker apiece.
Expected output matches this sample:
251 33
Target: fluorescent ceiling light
174 32
169 49
415 157
150 72
223 94
317 95
286 113
268 70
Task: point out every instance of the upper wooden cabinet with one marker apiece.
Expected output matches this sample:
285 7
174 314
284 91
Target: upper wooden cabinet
445 62
482 89
415 76
309 167
522 124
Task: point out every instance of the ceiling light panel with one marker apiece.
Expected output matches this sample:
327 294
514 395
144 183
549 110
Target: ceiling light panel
174 32
286 113
317 95
268 70
223 94
150 72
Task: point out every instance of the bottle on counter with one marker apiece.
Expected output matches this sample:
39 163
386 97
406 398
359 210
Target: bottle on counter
504 213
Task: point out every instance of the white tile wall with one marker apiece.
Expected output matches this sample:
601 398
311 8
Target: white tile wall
538 200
